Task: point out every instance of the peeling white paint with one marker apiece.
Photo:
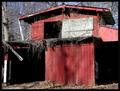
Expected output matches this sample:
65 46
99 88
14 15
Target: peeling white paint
76 34
77 27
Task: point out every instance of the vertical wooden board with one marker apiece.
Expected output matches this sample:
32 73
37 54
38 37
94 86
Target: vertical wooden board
77 64
48 63
37 31
76 57
58 65
56 70
52 66
85 71
79 71
89 64
86 65
41 29
91 70
108 34
69 64
83 67
96 27
61 61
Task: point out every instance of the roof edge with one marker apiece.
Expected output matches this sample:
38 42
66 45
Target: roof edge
64 6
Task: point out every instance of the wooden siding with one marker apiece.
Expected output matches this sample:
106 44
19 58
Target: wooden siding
108 34
38 26
70 64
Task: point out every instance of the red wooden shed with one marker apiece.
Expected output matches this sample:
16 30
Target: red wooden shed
69 62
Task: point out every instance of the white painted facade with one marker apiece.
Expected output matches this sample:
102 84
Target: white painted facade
77 27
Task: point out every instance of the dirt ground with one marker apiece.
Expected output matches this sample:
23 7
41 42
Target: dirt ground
51 85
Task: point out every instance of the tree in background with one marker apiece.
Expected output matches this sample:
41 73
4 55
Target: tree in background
16 9
4 22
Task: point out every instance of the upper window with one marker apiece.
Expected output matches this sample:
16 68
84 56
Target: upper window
52 29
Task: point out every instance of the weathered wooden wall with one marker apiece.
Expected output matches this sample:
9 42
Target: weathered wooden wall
70 64
38 26
108 34
77 27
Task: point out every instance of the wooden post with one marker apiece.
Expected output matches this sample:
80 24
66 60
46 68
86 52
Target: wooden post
21 32
5 32
5 68
1 59
9 73
9 47
4 23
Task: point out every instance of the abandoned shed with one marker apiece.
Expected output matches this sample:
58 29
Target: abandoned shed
70 38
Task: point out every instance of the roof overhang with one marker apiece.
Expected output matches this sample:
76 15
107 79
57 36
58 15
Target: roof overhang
104 12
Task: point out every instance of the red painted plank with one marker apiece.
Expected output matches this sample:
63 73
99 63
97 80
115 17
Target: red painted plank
55 65
70 64
37 32
58 65
108 34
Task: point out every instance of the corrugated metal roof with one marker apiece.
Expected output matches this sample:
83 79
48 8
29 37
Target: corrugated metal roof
103 11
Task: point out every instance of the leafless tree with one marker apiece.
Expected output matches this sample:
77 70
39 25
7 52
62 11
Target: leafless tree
17 9
4 22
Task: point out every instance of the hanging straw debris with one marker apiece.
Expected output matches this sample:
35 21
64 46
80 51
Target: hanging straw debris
37 47
59 41
43 44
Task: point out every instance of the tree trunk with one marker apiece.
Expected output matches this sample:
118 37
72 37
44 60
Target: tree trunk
5 38
4 22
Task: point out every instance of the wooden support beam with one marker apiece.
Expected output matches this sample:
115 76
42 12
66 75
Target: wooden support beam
5 32
1 57
5 68
21 32
9 47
